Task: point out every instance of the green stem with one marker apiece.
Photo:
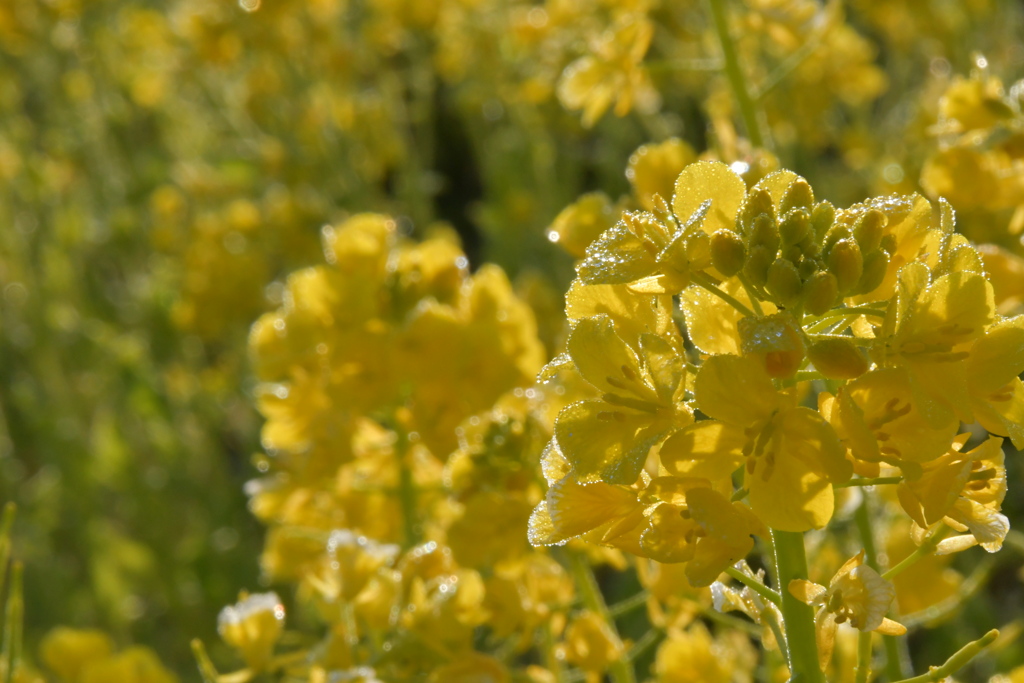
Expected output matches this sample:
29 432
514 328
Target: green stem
798 57
957 661
551 660
5 540
801 640
926 549
752 293
863 672
646 642
702 280
780 638
629 604
621 671
734 73
207 670
754 585
13 624
826 319
748 627
407 492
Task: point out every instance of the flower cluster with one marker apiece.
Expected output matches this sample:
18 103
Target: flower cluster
399 481
746 352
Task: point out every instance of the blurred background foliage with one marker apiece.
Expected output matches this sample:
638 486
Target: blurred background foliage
164 163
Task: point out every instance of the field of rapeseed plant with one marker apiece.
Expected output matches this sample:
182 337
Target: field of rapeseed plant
511 341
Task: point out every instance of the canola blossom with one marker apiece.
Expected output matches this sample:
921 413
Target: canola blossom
805 349
511 341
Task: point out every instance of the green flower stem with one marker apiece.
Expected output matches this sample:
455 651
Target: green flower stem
629 604
645 643
756 586
958 661
926 549
10 660
734 73
863 481
407 492
801 640
752 292
801 54
780 638
702 280
5 540
828 318
207 670
863 671
748 627
620 671
551 660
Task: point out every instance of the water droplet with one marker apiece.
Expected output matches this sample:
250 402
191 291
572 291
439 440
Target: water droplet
249 5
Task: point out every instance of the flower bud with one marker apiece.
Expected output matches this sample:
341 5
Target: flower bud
794 227
875 266
765 233
820 292
846 263
837 358
868 230
838 233
798 195
823 215
759 259
757 203
807 267
888 244
775 341
727 252
783 282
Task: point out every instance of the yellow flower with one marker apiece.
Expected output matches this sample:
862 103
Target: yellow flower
653 169
878 419
968 492
935 325
693 656
580 223
792 456
996 391
603 512
977 475
612 73
610 438
472 667
857 595
657 252
591 644
132 665
67 651
252 626
688 521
